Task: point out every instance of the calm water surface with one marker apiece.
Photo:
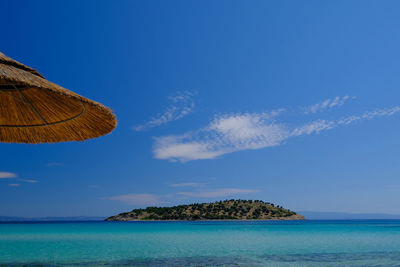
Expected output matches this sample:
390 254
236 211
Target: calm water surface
293 243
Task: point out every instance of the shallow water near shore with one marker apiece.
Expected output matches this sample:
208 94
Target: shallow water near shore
241 243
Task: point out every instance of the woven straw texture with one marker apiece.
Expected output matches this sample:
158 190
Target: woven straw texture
35 110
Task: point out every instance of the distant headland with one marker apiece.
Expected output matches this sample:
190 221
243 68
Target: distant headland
220 210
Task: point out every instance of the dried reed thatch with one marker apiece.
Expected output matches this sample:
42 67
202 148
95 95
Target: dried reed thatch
34 110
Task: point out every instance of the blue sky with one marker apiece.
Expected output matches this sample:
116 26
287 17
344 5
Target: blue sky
292 102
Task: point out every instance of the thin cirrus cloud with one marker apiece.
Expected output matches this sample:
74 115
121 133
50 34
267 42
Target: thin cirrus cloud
180 105
247 131
327 104
223 192
7 175
321 125
138 199
14 185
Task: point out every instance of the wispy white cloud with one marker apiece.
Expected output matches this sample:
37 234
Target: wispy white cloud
189 185
223 192
327 104
14 185
225 134
180 105
139 199
236 132
321 125
313 127
369 115
7 175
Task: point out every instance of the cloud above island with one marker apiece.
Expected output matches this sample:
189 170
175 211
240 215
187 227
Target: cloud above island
180 105
199 190
54 164
188 185
139 199
228 133
218 193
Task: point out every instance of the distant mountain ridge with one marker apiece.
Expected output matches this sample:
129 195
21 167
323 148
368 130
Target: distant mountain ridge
49 219
322 215
310 215
221 210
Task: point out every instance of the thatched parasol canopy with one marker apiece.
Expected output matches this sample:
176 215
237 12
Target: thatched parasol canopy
34 110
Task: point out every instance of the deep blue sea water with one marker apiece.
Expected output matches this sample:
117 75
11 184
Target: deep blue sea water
247 243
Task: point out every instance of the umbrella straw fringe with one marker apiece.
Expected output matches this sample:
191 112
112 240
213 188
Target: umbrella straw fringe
90 125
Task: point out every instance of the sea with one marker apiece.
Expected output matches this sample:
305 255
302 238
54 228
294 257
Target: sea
201 243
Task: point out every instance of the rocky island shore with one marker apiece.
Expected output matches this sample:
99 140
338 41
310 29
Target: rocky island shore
221 210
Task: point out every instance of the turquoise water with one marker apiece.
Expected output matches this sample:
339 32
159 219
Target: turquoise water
291 243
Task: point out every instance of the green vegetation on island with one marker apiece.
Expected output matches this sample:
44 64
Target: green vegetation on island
220 210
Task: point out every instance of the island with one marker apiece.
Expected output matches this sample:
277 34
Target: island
220 210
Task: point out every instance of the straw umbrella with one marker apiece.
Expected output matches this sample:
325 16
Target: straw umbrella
35 110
